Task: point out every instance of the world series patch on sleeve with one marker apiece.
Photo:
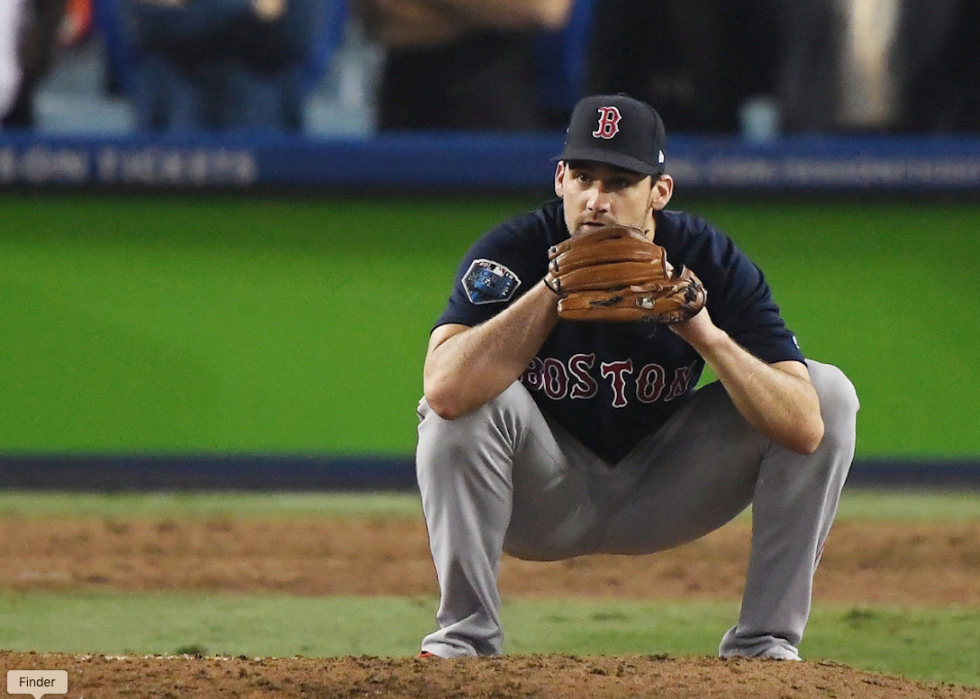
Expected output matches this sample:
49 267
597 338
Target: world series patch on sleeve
487 281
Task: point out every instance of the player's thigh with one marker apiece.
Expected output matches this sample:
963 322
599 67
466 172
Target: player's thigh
697 473
556 505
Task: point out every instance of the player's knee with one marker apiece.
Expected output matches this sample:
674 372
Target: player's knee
839 402
441 441
837 394
493 428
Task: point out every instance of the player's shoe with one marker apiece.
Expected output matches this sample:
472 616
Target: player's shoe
780 653
426 654
763 647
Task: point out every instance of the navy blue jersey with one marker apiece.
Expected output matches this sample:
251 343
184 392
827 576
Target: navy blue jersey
611 384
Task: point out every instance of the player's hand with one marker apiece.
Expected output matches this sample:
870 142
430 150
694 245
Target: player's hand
698 330
616 273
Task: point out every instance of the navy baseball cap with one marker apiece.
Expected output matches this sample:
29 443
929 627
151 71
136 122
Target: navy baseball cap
617 130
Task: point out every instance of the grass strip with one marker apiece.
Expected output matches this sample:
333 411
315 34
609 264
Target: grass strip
856 504
936 645
181 505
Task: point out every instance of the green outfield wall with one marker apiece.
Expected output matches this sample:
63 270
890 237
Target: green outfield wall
214 324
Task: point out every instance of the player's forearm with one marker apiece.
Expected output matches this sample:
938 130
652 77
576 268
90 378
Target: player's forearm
510 14
476 365
416 23
779 403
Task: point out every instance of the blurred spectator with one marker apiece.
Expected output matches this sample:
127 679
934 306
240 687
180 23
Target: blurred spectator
695 61
562 65
223 64
77 23
941 66
796 66
809 75
880 66
460 64
29 33
839 71
10 70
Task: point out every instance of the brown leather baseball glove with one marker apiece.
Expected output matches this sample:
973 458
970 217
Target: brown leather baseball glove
616 273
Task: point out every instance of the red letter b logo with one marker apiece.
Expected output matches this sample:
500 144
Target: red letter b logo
608 122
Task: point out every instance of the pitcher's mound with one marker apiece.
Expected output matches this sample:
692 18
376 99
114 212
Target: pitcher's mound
538 676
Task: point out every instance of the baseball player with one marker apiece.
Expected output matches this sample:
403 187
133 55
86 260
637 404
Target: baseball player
548 436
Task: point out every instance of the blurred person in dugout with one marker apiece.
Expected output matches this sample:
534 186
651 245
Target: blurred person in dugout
879 66
460 64
10 65
697 60
764 67
222 64
31 31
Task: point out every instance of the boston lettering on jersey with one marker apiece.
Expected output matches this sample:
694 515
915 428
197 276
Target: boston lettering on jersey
612 384
576 380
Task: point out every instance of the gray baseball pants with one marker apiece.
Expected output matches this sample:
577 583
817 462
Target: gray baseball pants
506 478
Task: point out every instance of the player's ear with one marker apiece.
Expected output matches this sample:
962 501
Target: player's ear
559 176
662 191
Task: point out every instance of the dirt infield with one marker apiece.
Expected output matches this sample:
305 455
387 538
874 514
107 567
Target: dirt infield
874 563
910 563
537 677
